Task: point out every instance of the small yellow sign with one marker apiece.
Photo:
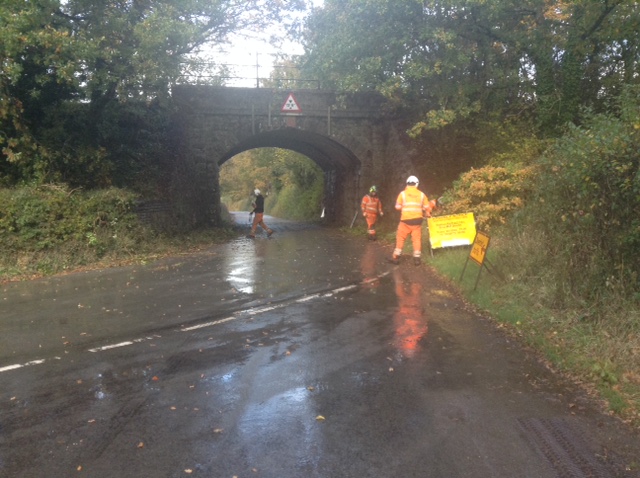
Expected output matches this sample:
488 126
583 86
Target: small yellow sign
479 249
452 230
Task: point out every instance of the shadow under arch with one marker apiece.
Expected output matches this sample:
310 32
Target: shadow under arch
340 166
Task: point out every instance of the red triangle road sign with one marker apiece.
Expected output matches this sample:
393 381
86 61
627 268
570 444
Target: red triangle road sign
291 105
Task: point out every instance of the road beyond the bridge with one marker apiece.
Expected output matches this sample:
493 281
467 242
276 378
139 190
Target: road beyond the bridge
301 355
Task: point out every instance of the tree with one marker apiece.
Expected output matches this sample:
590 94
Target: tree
293 183
286 73
454 60
97 52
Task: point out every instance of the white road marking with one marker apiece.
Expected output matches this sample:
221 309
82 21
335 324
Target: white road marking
112 346
22 365
207 324
243 314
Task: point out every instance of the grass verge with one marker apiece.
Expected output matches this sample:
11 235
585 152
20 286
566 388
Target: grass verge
601 352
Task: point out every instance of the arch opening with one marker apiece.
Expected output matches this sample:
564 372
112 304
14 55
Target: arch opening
339 165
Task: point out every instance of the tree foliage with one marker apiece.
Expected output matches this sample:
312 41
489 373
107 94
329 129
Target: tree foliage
588 205
83 56
458 59
292 184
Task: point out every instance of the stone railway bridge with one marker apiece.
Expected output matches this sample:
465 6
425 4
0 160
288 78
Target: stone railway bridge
355 139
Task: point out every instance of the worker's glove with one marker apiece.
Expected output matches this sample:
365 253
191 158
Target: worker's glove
381 214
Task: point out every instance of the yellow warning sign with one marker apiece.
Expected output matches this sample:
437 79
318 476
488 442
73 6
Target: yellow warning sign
479 249
452 230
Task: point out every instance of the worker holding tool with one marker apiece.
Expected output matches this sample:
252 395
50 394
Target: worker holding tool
371 207
258 214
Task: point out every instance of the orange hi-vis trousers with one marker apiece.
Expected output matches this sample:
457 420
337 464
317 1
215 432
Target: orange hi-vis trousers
257 221
405 230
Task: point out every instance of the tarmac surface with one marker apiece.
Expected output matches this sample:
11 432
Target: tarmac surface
304 354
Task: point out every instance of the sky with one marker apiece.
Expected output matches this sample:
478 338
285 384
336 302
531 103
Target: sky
250 54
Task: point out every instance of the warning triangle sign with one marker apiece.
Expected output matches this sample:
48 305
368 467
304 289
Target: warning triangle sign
291 105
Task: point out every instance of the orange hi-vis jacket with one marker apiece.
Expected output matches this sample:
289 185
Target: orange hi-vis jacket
371 205
413 204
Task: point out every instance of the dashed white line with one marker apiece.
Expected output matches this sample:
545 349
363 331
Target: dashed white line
22 365
207 324
121 344
112 346
248 312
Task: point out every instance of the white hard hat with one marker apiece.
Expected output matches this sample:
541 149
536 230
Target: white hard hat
412 179
256 191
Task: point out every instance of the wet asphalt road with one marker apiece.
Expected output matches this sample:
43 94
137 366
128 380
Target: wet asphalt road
301 355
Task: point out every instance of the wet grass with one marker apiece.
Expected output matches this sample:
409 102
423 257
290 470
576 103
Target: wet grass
599 350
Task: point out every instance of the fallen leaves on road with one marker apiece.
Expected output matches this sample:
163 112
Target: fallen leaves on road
320 418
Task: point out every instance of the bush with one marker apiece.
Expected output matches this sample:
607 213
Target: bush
585 213
50 227
492 193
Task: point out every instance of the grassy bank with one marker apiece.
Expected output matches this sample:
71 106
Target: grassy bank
600 350
48 230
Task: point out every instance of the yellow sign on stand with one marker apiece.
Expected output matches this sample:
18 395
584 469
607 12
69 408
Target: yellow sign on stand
477 255
479 249
452 230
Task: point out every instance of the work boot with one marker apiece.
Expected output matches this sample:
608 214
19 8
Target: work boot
269 232
251 236
394 260
373 237
417 261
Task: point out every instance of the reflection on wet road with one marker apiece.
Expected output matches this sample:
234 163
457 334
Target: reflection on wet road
301 355
410 318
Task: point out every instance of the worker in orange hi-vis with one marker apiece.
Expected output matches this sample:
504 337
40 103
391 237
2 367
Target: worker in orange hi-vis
414 207
371 207
258 210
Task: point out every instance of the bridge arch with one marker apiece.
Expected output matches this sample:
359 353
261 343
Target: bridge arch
339 165
325 152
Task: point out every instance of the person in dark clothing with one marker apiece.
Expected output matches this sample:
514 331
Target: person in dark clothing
258 214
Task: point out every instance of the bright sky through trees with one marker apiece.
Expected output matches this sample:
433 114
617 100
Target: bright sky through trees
251 55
